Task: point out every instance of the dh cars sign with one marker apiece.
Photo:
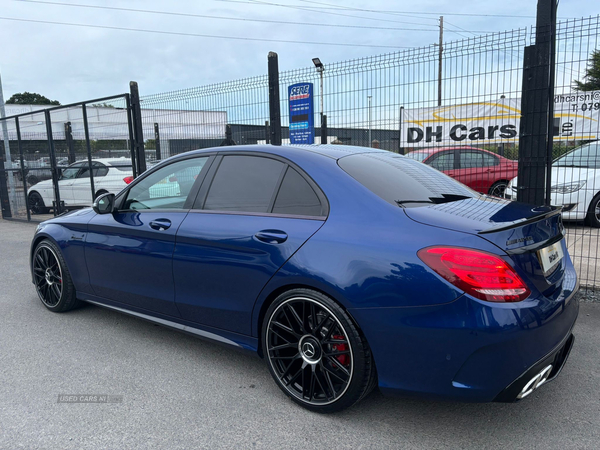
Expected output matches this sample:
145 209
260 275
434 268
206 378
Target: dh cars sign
576 117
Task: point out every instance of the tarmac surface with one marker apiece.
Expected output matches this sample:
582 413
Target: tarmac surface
170 390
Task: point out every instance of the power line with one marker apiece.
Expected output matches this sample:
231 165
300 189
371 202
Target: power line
204 16
314 9
349 8
176 33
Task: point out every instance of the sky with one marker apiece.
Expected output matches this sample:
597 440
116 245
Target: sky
72 63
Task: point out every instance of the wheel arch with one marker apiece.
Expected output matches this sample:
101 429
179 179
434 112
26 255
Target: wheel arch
277 291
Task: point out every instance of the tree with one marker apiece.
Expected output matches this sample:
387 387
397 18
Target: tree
592 74
30 98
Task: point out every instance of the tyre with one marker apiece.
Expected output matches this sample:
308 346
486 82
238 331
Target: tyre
100 192
498 188
32 179
36 203
315 353
52 279
593 215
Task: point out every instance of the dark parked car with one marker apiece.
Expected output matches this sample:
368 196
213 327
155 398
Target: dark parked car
481 170
345 268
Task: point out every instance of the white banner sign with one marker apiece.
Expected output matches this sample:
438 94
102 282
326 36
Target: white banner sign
576 117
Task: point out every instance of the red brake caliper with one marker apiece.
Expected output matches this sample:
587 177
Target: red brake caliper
343 359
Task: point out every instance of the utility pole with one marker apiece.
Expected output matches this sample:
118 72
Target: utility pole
8 163
441 49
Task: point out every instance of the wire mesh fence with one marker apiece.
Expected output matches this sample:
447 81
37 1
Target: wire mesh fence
456 107
86 148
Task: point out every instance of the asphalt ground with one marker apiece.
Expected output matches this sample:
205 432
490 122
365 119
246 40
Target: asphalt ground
177 391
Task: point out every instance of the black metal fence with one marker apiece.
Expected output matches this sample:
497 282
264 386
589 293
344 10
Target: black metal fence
465 123
40 146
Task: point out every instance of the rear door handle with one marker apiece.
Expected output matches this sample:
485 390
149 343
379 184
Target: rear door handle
160 224
271 236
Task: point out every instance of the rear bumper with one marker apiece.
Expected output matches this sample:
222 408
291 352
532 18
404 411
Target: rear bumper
468 350
555 360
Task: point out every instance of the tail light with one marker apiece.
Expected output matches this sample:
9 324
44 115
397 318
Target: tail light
480 274
128 180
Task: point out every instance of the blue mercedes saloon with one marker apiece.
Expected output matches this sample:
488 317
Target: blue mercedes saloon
345 268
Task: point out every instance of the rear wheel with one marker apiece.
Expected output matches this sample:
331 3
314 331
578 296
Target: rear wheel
52 279
593 215
32 179
36 203
315 353
498 188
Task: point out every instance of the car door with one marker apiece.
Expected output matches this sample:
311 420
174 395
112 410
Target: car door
492 171
129 252
470 169
252 213
82 187
65 182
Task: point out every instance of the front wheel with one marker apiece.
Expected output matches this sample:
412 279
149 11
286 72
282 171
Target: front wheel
36 203
593 215
315 353
52 279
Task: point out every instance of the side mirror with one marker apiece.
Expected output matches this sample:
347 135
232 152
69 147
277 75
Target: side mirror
104 204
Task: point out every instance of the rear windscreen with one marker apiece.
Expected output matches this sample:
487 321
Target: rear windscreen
396 178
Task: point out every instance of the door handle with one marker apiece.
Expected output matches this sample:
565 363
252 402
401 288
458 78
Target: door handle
271 236
160 224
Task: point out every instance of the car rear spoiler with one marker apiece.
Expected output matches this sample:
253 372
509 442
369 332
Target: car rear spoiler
555 211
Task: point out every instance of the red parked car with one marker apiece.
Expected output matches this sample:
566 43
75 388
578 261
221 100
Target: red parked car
483 171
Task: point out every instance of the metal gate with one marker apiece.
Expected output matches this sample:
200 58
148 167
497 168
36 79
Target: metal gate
60 158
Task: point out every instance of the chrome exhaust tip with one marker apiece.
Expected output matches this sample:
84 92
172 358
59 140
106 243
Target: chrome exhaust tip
535 382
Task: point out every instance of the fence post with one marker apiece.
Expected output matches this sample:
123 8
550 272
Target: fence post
4 200
274 106
157 141
323 129
23 170
535 140
267 132
400 148
54 171
88 146
138 133
69 139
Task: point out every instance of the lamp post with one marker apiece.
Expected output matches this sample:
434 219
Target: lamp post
320 68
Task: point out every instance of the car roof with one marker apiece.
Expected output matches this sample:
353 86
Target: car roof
108 161
333 151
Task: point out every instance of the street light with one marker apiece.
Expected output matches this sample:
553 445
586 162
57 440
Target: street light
320 68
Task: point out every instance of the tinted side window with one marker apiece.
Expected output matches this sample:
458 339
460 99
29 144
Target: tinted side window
471 160
100 170
442 161
244 183
296 196
489 160
166 188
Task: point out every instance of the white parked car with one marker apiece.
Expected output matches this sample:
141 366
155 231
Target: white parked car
575 184
110 175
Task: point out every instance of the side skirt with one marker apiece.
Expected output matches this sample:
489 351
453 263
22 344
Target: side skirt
238 341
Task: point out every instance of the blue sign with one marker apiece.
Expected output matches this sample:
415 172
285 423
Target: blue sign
302 119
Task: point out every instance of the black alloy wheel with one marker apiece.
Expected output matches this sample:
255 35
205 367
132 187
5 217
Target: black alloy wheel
498 188
316 355
52 279
594 212
36 203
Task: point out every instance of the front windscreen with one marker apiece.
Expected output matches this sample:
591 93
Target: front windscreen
587 155
404 181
